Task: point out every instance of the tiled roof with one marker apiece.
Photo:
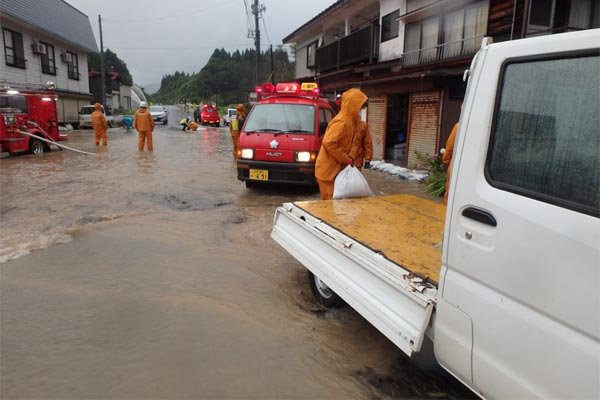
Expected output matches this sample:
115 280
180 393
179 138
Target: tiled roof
323 13
55 17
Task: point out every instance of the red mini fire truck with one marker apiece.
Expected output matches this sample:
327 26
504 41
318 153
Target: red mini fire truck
282 134
209 115
31 111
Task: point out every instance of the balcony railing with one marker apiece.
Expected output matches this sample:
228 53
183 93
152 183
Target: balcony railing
360 46
442 52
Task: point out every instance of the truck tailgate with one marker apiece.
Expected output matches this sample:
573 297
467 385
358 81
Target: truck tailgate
379 254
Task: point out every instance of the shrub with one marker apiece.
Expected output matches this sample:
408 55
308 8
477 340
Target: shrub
436 182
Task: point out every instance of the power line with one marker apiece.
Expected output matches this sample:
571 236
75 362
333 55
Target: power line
181 48
163 17
266 31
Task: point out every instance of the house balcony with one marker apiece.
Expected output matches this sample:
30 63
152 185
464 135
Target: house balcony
459 49
360 46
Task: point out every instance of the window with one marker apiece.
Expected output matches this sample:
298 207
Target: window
311 51
14 53
72 66
13 104
389 26
325 115
584 14
48 59
420 41
545 139
296 118
461 33
541 13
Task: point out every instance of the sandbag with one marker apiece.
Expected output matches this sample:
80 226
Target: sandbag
350 183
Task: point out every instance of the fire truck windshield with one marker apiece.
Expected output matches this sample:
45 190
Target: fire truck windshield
13 104
292 118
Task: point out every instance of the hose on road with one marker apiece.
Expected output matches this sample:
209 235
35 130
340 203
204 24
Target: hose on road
55 143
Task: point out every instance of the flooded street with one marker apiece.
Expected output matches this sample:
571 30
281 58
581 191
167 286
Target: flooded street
153 275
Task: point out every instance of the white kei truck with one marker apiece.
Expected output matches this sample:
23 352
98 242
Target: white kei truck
511 300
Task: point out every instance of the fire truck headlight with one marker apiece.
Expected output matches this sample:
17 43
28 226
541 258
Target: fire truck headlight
247 154
304 156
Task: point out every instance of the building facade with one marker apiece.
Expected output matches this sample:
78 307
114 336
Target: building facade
47 41
409 57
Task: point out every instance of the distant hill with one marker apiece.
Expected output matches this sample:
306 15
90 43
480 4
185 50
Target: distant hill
151 87
226 77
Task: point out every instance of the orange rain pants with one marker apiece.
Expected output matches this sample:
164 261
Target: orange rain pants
100 125
145 137
325 189
235 138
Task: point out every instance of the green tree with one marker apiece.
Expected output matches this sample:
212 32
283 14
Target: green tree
226 76
111 63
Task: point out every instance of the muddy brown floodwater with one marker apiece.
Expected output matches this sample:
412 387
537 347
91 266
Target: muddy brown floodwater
136 275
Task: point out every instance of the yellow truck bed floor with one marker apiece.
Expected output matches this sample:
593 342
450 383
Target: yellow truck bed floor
405 229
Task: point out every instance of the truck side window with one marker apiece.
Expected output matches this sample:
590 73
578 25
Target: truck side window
545 140
325 116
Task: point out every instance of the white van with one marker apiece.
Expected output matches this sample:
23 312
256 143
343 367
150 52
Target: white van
229 115
512 300
85 116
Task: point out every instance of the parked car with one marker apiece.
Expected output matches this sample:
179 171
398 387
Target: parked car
85 116
231 113
159 114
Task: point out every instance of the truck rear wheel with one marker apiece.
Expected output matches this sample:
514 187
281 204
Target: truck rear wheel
323 293
36 146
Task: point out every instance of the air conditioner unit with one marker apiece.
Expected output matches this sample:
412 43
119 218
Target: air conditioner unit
66 58
38 48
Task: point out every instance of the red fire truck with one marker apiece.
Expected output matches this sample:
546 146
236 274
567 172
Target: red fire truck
210 115
282 134
31 111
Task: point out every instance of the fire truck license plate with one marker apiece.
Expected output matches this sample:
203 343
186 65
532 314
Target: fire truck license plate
259 174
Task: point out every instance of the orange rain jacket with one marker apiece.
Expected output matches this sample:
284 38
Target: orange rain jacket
99 124
362 147
447 158
335 148
143 121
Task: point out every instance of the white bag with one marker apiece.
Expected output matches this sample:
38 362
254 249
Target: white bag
350 183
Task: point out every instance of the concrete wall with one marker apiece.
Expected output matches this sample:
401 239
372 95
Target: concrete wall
301 53
125 91
392 49
32 74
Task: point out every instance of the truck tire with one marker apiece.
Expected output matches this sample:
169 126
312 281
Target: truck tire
323 293
36 146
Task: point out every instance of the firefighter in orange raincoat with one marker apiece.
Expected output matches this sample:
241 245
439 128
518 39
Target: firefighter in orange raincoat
144 124
447 158
337 142
100 125
236 127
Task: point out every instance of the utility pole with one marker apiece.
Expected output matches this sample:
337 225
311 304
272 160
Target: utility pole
257 9
272 65
102 72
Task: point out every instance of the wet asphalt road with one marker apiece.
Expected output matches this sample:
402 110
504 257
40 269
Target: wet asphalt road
152 275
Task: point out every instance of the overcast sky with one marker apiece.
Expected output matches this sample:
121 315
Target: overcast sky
157 37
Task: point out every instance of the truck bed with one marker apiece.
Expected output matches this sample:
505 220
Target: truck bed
379 254
405 229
